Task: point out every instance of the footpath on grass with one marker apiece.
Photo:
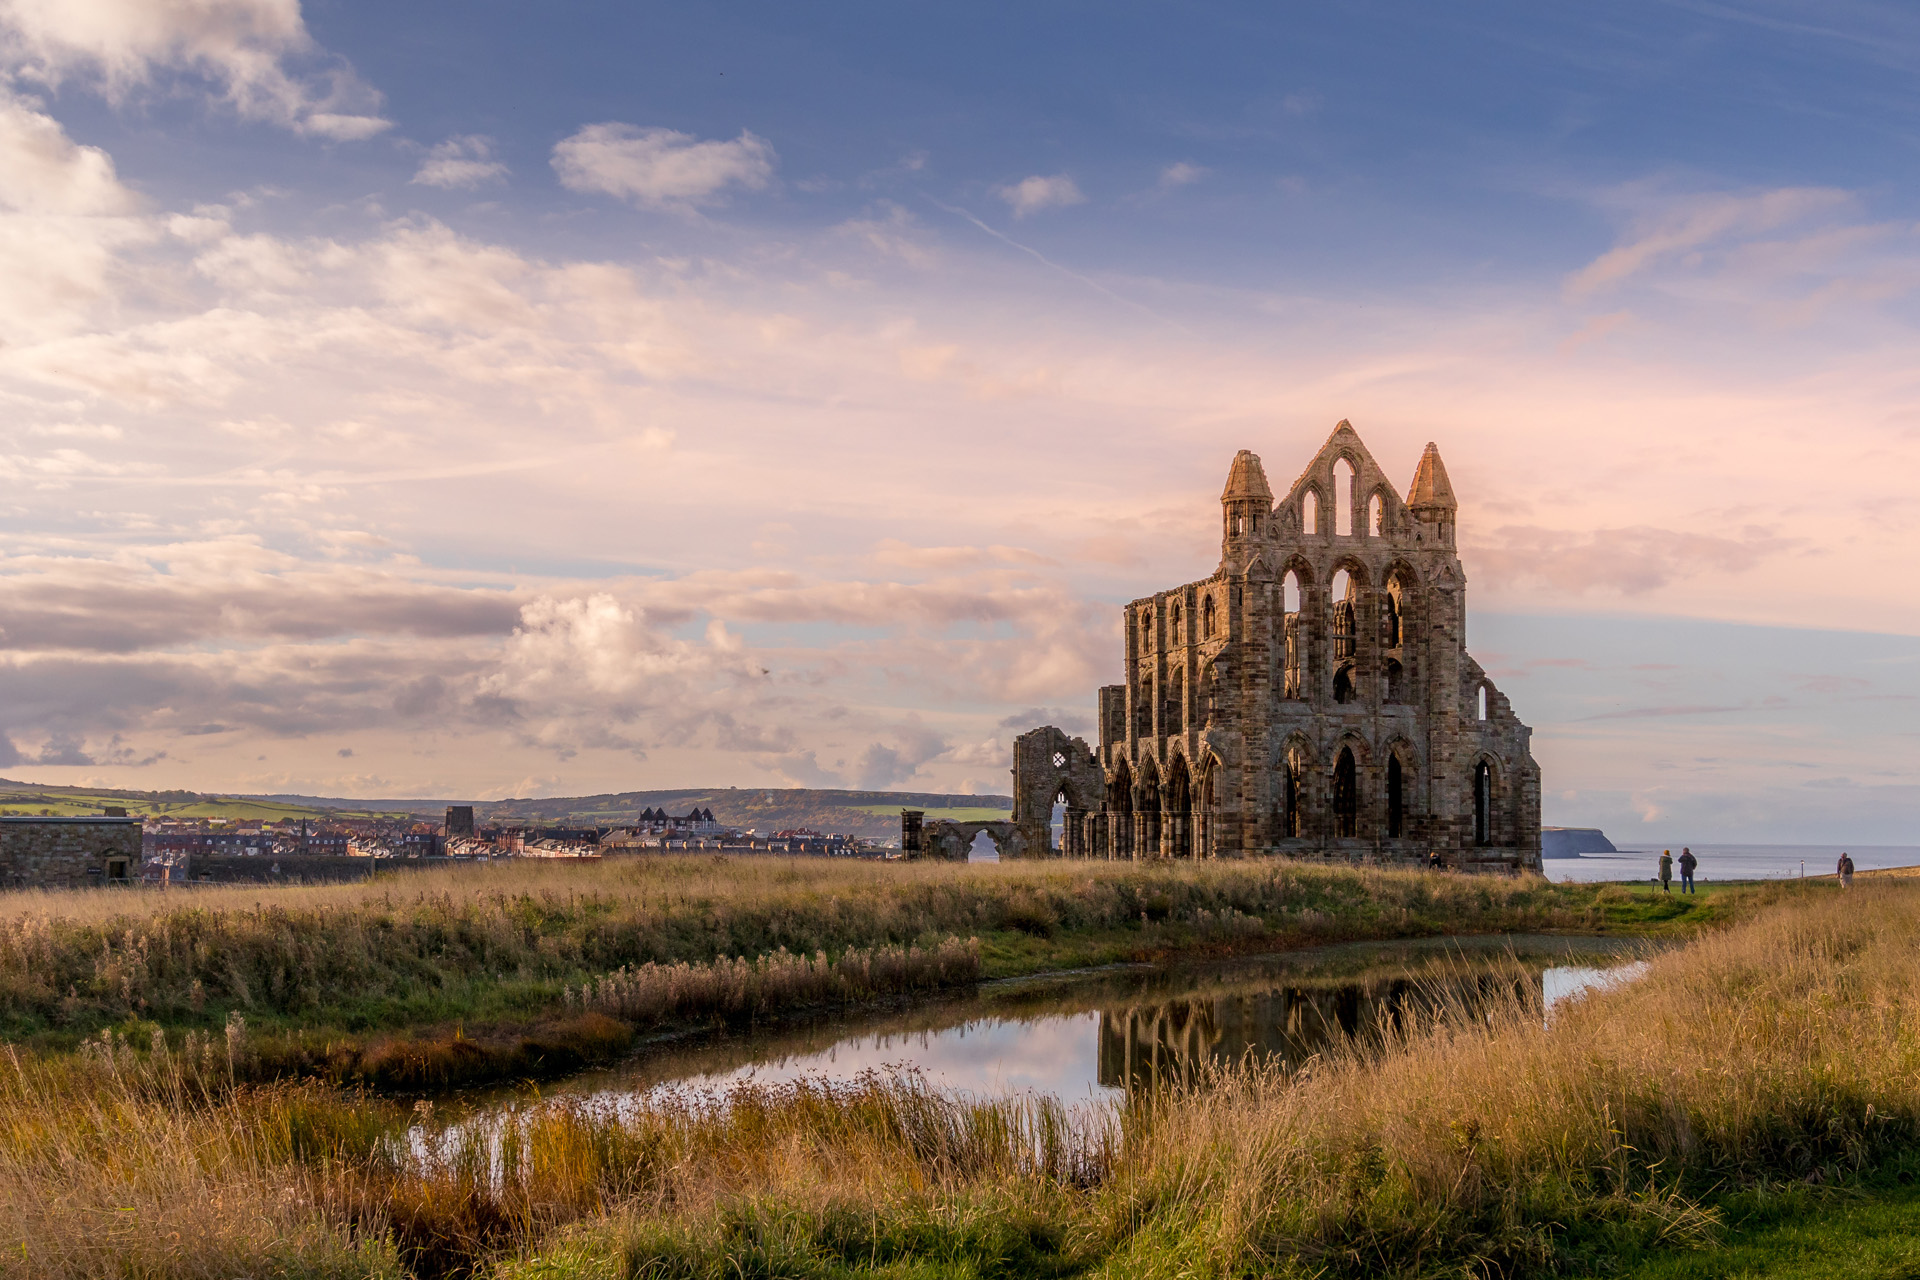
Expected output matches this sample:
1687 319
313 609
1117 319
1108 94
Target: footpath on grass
470 974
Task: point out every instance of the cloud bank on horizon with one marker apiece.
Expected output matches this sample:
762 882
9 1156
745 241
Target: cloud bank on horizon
630 398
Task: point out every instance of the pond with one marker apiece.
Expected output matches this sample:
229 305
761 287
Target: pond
1099 1034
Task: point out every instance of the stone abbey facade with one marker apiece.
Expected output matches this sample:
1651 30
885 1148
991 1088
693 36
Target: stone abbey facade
1312 697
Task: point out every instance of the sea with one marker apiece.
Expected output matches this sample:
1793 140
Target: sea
1731 861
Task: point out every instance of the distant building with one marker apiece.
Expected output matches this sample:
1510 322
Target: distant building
698 822
54 853
459 820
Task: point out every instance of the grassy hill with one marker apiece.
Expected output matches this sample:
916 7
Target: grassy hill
874 814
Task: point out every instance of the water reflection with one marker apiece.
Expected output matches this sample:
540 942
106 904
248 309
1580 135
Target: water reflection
1174 1042
1096 1034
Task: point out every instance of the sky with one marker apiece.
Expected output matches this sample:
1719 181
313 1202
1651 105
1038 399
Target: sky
506 399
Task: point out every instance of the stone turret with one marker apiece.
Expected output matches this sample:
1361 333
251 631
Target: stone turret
1430 498
1246 507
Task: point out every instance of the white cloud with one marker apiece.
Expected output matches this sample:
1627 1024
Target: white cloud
44 171
661 168
1181 174
1030 195
248 48
465 161
1692 223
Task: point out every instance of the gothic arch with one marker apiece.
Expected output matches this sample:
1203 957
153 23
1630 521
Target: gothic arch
1146 804
1295 788
1177 814
1486 785
1400 789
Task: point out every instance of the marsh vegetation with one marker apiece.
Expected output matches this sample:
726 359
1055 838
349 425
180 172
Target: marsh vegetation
1762 1063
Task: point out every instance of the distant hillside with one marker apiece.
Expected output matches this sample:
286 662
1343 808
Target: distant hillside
873 814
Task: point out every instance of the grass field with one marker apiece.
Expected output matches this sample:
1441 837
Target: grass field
1751 1106
480 945
25 800
947 815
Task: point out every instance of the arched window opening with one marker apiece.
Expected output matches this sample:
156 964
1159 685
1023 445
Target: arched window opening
1057 822
1310 512
1346 795
1119 805
1294 634
1342 592
1147 802
1179 809
1175 620
1207 813
1146 630
1480 708
1206 619
1396 682
1143 709
1176 688
1256 524
1343 498
983 849
1215 702
1390 628
1290 800
1376 516
1483 804
1343 684
1396 799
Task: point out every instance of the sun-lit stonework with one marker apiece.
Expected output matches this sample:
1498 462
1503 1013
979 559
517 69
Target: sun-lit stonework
1312 697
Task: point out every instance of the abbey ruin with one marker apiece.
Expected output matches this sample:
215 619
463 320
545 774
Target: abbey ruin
1312 697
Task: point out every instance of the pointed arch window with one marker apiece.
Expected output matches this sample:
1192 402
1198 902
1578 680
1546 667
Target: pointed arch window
1143 709
1346 795
1343 498
1396 799
1480 704
1175 621
1206 619
1310 512
1291 815
1483 804
1376 516
1176 689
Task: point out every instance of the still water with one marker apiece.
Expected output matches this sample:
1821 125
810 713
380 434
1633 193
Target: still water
1102 1033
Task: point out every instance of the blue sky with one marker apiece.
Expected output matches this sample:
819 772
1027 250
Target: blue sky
558 398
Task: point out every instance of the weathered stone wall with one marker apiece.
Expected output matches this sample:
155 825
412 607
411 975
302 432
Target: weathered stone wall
1266 712
55 853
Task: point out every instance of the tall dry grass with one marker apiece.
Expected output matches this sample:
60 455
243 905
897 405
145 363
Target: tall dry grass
505 939
117 1164
1783 1049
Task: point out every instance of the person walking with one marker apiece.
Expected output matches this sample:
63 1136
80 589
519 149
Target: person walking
1666 871
1845 868
1687 863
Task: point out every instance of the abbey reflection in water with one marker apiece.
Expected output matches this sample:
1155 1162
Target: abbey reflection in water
1149 1045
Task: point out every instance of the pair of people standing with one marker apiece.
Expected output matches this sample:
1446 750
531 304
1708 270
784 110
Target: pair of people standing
1845 870
1687 864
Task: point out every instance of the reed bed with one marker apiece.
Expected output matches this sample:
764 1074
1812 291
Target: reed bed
737 987
1458 1140
506 940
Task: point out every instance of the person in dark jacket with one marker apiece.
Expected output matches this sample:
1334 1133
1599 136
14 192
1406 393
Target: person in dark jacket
1687 863
1845 868
1666 871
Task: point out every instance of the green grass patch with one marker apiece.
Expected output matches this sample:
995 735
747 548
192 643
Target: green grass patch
1870 1233
938 815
